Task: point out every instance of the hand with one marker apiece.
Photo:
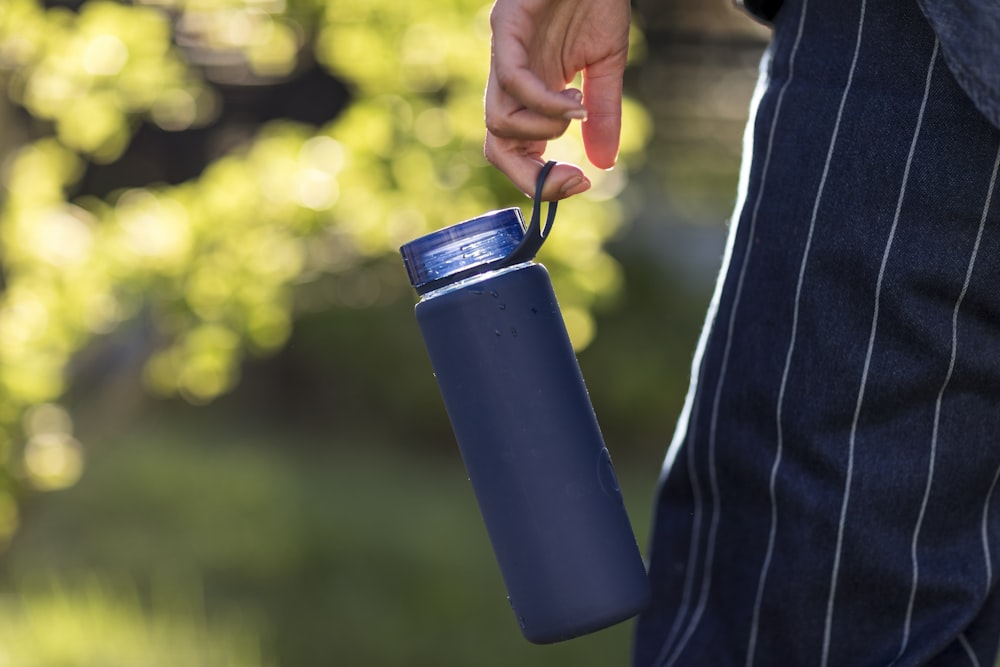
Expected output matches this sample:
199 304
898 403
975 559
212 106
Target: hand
538 48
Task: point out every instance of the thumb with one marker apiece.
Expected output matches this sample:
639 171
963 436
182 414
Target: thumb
602 94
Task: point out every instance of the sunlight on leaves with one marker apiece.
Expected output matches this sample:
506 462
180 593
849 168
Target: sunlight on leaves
214 265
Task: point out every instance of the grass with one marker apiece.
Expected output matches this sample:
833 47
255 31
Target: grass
99 623
344 553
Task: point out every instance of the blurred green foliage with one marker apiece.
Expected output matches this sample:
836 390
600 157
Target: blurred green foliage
364 555
95 622
221 265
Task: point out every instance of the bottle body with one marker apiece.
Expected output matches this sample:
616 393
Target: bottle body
534 453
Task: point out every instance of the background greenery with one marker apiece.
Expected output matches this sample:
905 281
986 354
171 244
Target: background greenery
220 440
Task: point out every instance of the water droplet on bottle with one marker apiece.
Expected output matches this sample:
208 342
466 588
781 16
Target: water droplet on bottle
503 306
534 311
520 618
513 332
497 332
495 294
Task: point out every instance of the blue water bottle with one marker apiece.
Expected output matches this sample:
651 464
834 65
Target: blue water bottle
525 425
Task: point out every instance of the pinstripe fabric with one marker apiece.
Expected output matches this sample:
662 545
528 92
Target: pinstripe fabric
828 498
868 356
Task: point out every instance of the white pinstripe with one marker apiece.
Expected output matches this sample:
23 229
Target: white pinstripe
713 477
989 496
674 653
968 650
685 431
812 223
984 530
963 640
915 577
690 405
937 421
692 550
755 619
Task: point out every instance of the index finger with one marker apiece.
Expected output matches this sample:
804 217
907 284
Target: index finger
516 78
602 87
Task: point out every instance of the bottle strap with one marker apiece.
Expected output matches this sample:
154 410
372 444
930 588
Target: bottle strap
525 251
535 235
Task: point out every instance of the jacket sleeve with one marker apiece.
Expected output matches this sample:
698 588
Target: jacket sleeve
969 33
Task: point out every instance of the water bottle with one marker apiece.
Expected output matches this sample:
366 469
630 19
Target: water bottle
525 426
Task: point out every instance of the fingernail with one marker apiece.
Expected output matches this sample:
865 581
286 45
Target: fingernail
574 186
576 114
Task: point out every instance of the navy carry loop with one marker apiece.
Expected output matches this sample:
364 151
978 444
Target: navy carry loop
525 425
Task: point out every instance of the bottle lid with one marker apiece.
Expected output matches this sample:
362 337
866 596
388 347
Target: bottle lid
462 247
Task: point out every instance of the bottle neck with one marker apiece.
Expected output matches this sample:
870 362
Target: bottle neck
474 279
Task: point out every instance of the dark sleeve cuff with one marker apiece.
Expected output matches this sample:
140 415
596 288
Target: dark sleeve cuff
762 9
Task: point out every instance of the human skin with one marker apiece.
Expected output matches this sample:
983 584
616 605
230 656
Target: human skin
538 48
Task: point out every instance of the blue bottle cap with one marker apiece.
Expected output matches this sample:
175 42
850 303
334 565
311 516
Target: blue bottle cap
463 246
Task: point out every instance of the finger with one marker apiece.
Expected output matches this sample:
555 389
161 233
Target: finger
514 76
522 161
602 88
506 118
525 125
532 93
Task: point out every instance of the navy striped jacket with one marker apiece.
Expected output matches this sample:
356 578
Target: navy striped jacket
969 32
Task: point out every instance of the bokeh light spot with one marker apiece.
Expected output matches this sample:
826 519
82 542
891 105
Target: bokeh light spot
317 189
433 127
105 55
23 318
61 236
53 460
153 227
580 326
47 418
175 110
322 152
